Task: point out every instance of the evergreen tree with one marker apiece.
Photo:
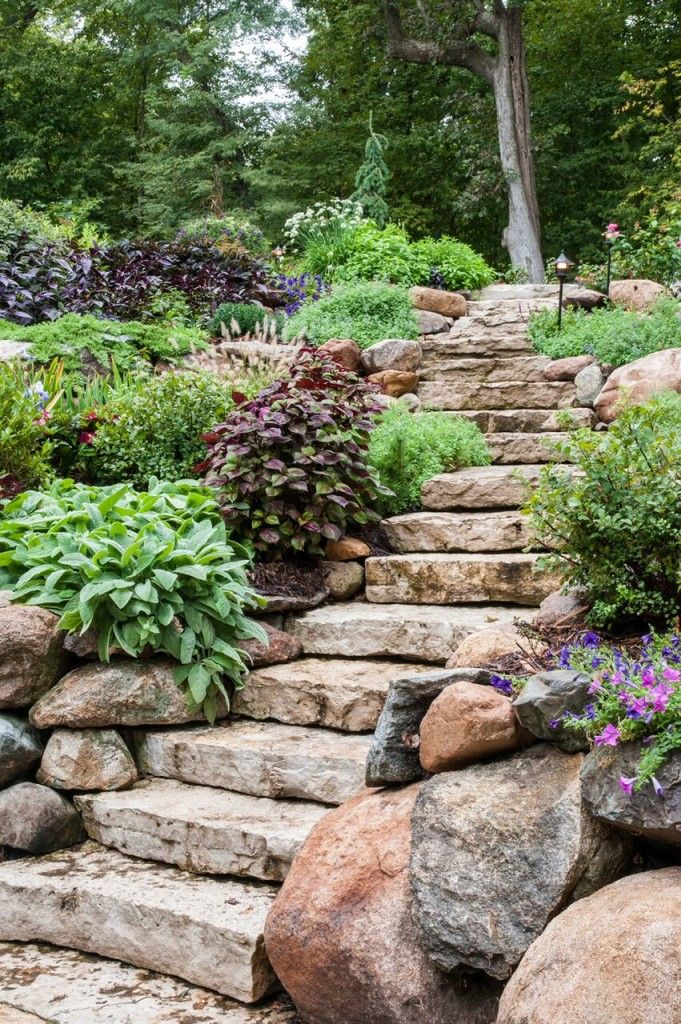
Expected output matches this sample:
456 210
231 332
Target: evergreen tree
371 181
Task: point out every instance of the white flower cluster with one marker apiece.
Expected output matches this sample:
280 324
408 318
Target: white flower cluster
344 213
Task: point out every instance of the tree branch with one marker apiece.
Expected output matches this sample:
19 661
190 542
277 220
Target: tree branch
461 53
485 21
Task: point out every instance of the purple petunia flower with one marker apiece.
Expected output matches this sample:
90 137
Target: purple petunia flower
659 789
610 737
504 686
627 785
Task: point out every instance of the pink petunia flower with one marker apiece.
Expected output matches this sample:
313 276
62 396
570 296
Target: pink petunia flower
627 785
672 674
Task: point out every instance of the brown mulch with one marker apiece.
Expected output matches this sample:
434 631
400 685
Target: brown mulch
287 579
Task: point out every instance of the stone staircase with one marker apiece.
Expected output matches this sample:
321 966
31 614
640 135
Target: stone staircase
180 871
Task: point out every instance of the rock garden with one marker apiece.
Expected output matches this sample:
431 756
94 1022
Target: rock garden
340 581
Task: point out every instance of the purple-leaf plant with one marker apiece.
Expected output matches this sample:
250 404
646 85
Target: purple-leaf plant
291 466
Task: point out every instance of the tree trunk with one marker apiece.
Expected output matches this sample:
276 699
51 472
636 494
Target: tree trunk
522 236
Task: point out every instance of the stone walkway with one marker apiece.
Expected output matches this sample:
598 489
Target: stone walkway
181 870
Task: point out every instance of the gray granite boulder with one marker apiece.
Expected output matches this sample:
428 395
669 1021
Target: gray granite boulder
87 759
645 813
36 819
543 701
392 354
20 747
589 384
394 753
498 849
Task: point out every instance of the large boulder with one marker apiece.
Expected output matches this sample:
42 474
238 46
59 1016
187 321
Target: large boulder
610 959
636 294
589 384
344 351
31 655
86 759
126 692
340 935
643 812
636 382
20 747
392 354
486 646
432 323
394 753
497 850
466 723
395 383
568 368
36 819
434 300
544 700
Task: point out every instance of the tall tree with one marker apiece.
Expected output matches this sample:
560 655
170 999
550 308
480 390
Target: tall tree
371 180
499 60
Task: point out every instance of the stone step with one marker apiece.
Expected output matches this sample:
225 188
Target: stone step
502 395
512 449
529 421
457 579
207 931
515 368
259 758
474 342
337 693
457 531
480 487
361 630
40 983
200 828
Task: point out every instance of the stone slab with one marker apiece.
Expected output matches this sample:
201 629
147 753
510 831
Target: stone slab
40 983
207 931
336 693
506 395
419 633
537 420
200 828
466 340
480 487
259 758
457 531
458 579
514 449
491 370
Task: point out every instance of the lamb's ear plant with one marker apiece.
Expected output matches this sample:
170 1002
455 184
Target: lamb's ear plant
147 570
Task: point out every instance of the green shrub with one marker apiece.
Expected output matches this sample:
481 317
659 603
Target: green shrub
24 450
613 336
155 569
155 429
459 266
408 449
367 313
614 526
372 254
291 464
80 340
17 218
249 317
367 253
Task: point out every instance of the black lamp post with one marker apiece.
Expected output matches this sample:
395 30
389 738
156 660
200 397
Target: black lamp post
611 234
563 267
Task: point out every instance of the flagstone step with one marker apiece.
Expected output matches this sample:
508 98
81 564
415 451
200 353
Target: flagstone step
457 531
502 395
457 579
480 487
259 758
475 342
41 983
489 371
207 931
531 421
337 693
517 448
201 829
358 629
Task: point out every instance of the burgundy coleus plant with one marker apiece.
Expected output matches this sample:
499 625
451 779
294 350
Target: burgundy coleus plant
291 464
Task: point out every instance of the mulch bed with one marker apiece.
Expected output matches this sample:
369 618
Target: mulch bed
287 579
